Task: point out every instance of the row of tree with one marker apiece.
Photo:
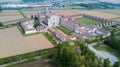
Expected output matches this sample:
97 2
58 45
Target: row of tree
113 40
0 8
95 39
79 55
1 25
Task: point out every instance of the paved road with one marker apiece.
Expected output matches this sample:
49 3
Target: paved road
103 54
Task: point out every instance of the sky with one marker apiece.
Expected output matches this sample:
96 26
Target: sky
112 1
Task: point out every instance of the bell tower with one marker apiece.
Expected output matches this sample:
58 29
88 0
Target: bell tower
39 15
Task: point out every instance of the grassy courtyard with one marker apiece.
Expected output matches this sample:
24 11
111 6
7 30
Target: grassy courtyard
64 30
86 21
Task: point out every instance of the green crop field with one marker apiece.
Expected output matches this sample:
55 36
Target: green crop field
87 21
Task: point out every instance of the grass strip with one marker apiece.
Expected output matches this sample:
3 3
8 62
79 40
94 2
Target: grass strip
64 30
51 38
22 14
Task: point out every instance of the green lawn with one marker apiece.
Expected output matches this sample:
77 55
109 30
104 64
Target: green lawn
86 21
51 38
64 30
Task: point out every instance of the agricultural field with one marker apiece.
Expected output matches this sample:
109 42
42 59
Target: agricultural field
116 19
13 43
86 21
89 12
101 14
9 13
28 13
11 22
116 12
10 16
97 13
65 12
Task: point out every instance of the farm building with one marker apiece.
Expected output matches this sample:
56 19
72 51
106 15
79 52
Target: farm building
41 29
28 26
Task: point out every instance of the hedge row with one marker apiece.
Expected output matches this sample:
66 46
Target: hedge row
26 56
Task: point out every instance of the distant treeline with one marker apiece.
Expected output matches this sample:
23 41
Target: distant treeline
0 8
100 5
111 4
27 1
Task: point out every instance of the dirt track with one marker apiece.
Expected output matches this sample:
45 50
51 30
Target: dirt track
39 63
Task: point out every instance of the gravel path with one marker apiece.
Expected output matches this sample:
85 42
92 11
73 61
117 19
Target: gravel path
103 54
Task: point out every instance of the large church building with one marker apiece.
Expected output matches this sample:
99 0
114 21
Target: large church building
53 20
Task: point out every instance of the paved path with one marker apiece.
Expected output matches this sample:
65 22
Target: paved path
103 54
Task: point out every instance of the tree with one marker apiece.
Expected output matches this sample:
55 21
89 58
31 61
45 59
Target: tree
1 25
98 42
112 33
32 17
77 55
113 40
36 23
79 41
101 37
116 64
0 8
66 56
106 63
36 18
